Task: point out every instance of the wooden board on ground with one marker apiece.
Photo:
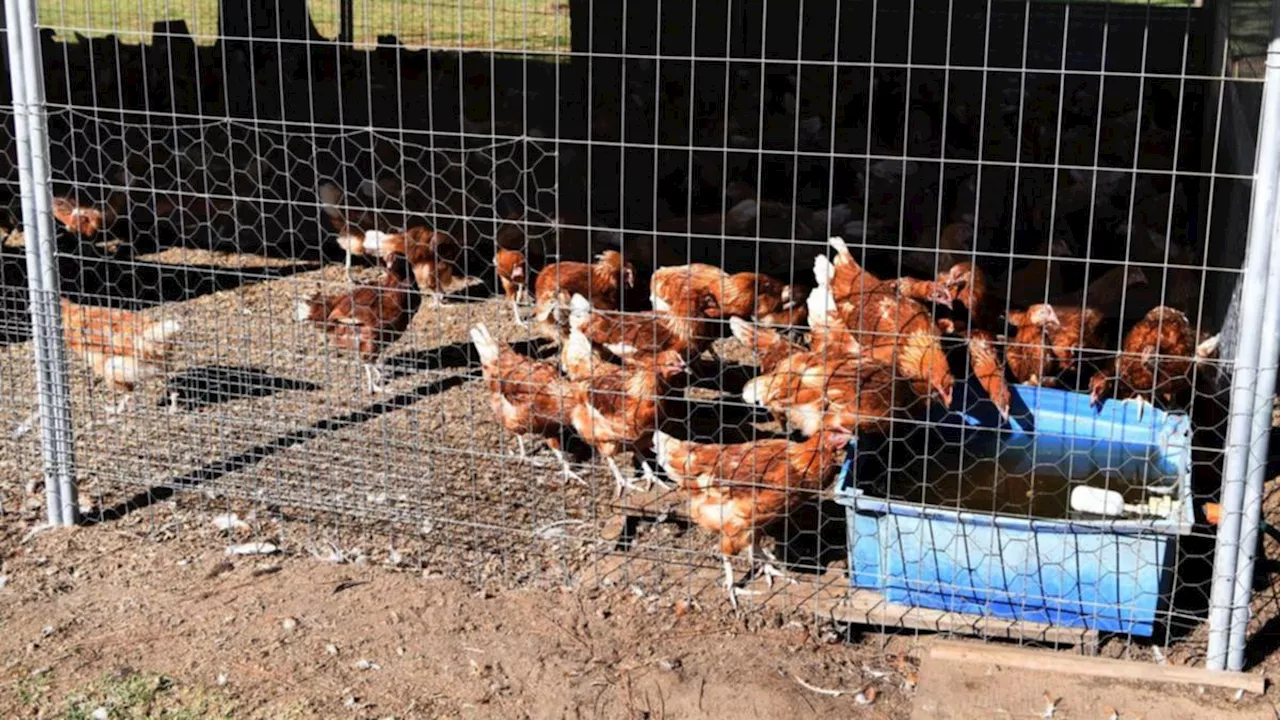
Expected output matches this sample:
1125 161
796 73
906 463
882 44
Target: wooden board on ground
950 690
1005 656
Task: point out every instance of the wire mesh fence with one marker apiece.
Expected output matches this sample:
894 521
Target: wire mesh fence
911 316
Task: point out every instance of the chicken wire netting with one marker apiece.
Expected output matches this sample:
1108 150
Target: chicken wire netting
1040 177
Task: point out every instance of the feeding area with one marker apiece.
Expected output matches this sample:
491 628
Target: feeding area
952 319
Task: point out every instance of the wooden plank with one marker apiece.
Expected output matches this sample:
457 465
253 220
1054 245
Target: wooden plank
865 607
1049 661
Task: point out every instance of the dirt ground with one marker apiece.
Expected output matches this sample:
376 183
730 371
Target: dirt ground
149 617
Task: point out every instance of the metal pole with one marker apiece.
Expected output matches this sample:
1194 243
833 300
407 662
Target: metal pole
30 122
1251 515
1245 377
17 85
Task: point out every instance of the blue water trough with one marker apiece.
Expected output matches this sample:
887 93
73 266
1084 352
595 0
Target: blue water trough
1104 574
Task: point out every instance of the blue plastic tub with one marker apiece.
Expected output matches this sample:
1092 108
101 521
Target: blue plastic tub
1101 574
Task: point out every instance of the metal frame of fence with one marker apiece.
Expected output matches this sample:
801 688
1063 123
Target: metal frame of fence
440 152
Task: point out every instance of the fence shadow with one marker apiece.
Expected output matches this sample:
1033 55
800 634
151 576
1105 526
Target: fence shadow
207 385
449 356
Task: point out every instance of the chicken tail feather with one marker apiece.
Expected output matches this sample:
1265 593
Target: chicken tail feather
485 344
310 309
753 391
663 446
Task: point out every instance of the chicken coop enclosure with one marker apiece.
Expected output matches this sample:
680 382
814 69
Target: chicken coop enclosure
958 317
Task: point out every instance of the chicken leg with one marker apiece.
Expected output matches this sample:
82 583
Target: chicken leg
373 377
515 308
766 568
652 478
623 484
567 471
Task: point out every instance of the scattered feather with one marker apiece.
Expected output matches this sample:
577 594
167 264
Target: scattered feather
814 688
866 697
253 548
366 665
230 522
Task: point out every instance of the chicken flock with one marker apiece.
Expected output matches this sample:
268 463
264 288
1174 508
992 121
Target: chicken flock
841 358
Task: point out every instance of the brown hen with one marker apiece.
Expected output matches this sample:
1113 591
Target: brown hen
528 396
1158 359
367 319
600 283
122 348
737 489
618 409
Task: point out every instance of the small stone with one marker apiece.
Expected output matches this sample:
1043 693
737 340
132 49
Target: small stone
100 713
289 624
331 649
670 665
47 630
222 679
366 665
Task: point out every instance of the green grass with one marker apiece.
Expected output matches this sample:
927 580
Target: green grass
129 695
538 25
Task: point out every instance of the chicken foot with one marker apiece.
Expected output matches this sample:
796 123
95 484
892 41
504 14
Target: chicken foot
623 484
515 308
566 470
652 478
373 376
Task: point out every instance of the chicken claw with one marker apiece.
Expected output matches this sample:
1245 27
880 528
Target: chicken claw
566 471
373 377
652 478
622 483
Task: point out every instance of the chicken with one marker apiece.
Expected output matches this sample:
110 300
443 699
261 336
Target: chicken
827 331
529 396
600 283
83 220
743 295
433 256
122 348
967 284
578 357
513 273
1157 360
1067 331
367 319
768 345
808 392
618 409
351 225
639 336
737 489
989 371
890 327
